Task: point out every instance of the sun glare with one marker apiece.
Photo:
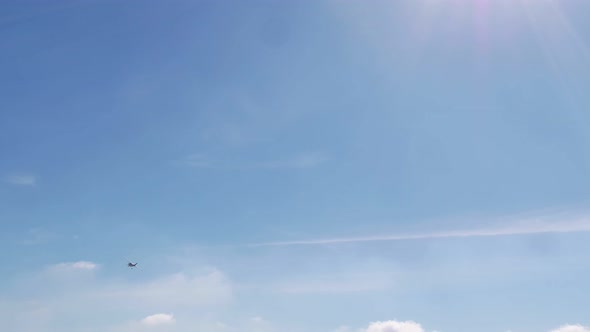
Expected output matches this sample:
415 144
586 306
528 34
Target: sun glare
499 22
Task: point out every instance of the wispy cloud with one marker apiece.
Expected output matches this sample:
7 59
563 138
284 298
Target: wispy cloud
343 328
259 324
179 289
257 320
70 273
198 160
301 161
27 180
37 236
75 266
338 284
71 288
580 224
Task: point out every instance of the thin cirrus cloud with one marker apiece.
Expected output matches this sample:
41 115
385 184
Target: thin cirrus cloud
343 328
338 284
36 236
578 224
25 180
301 161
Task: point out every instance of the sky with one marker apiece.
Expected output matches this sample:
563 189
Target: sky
295 166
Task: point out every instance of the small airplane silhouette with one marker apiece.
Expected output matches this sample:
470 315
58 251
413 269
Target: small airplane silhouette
131 265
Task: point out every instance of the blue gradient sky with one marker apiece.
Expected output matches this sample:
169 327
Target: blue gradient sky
180 133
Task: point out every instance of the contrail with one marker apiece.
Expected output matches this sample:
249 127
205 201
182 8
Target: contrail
523 229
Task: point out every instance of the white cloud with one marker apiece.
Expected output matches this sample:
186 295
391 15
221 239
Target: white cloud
66 277
163 323
411 326
188 322
387 326
572 328
158 319
394 326
21 180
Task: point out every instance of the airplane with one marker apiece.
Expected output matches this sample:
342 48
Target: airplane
131 265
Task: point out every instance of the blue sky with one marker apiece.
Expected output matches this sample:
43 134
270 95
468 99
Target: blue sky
329 166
